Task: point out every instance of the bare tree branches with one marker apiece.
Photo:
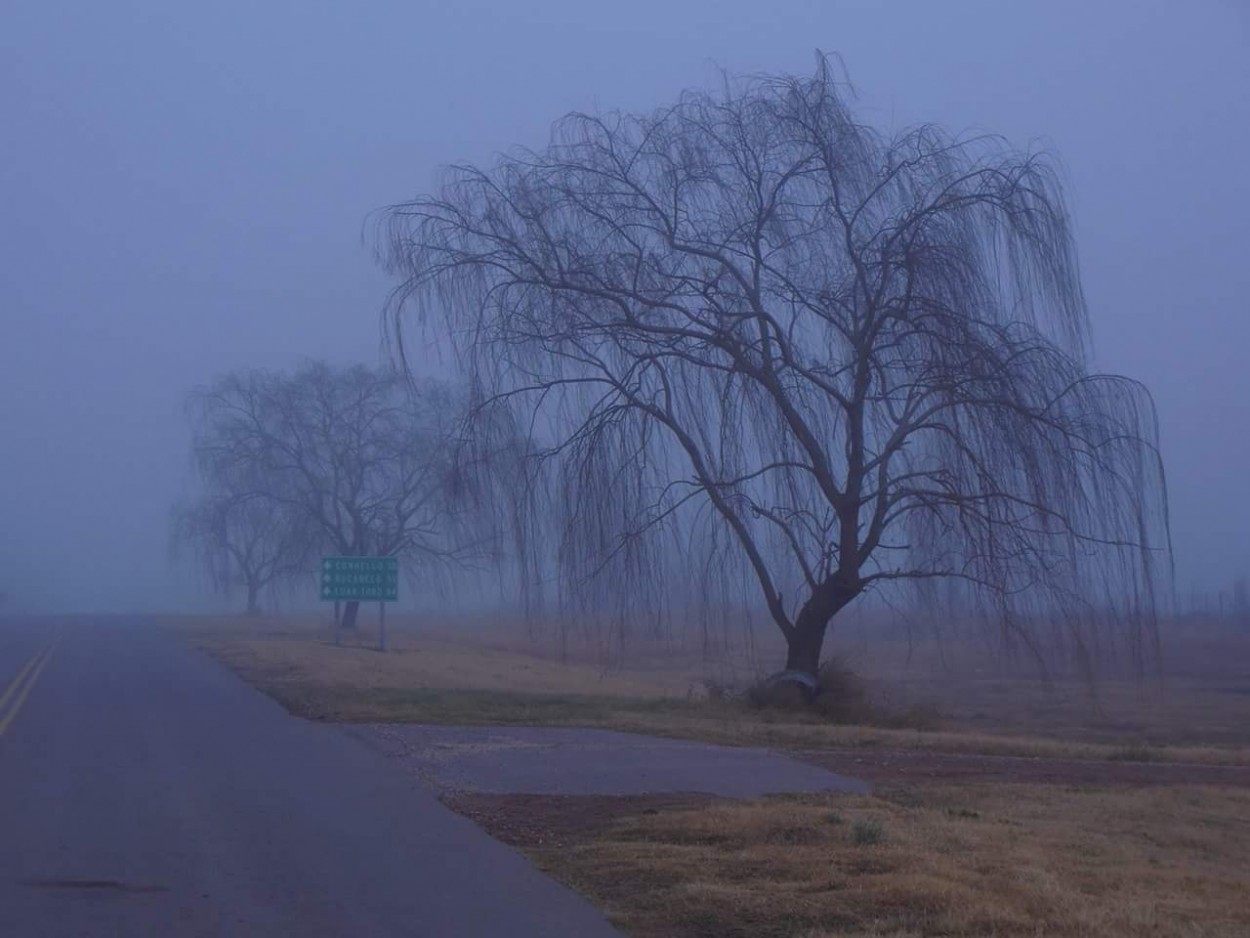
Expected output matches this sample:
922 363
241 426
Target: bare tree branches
244 538
865 357
352 461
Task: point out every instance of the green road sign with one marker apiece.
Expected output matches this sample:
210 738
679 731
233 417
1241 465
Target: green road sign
360 579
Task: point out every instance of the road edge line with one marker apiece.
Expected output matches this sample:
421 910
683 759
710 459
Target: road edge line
21 686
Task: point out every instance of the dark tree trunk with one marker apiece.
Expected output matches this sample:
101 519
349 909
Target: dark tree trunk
804 644
253 599
349 615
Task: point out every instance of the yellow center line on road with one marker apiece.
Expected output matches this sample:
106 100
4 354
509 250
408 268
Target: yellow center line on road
21 676
20 687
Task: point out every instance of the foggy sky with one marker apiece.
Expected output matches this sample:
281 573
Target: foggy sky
184 186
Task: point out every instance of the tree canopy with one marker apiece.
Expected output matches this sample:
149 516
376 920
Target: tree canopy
353 461
850 360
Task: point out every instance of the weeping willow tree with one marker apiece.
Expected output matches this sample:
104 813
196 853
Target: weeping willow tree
837 360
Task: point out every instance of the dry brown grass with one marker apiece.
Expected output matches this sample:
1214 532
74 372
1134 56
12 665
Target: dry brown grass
430 662
489 677
1202 697
977 859
982 860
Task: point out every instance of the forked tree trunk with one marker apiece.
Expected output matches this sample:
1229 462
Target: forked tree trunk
803 647
804 644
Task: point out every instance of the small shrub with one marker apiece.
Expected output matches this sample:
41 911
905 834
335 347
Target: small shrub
838 695
843 695
780 692
964 813
833 818
867 832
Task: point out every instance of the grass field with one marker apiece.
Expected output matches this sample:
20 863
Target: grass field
956 841
492 676
976 860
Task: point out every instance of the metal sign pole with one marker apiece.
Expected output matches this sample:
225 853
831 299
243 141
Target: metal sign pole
360 580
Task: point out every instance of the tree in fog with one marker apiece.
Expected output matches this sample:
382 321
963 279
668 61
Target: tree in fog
244 538
842 360
358 459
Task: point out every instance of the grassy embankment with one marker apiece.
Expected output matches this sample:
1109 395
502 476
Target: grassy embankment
971 861
495 678
916 858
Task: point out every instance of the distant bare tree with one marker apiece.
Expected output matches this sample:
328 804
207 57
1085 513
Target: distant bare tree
844 360
360 459
243 537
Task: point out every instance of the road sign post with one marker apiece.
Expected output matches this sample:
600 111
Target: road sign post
361 579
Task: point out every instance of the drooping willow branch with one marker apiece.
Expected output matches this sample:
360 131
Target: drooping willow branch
751 325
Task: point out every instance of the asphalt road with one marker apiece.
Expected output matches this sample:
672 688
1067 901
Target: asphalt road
545 760
146 791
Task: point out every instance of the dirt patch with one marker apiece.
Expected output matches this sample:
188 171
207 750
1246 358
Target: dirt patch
900 767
